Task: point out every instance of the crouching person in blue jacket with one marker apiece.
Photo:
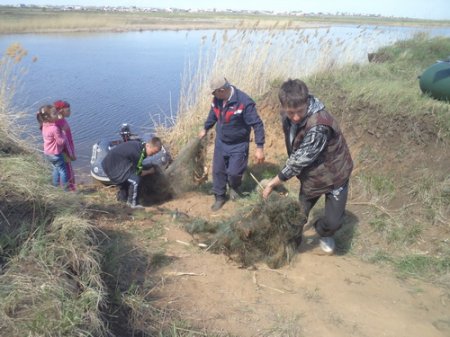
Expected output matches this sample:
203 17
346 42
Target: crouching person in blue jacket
234 114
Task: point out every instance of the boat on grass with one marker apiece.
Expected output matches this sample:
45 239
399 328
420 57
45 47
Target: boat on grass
435 80
162 159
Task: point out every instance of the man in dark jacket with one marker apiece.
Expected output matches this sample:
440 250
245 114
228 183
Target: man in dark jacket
124 166
318 156
234 114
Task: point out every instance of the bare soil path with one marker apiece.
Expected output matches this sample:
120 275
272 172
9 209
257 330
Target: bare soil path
316 295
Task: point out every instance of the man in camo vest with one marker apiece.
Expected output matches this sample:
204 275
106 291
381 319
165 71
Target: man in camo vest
318 156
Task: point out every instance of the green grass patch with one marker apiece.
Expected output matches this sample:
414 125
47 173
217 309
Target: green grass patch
378 184
422 266
381 257
406 234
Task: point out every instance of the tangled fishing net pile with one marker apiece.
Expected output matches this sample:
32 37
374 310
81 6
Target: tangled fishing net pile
184 174
269 231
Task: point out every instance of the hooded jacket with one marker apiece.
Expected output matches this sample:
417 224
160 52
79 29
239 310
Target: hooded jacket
318 153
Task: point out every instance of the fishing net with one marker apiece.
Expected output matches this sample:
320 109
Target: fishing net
188 170
184 174
269 231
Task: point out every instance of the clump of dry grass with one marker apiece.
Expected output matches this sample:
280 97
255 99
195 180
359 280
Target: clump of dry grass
53 286
51 282
144 316
26 189
11 75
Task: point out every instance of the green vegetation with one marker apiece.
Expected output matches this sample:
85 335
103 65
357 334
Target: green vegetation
60 276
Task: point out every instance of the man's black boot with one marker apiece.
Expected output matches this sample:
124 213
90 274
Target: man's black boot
235 193
220 201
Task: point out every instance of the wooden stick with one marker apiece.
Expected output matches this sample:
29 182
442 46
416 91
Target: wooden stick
212 244
368 203
179 273
183 242
256 180
271 288
265 286
97 210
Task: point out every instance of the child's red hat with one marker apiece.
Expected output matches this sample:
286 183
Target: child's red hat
61 104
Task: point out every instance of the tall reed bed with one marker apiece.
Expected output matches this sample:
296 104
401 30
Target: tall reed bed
11 75
256 59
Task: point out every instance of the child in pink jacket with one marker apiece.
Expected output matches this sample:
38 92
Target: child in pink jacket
54 144
63 110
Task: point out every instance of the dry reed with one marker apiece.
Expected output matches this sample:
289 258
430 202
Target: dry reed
255 59
11 75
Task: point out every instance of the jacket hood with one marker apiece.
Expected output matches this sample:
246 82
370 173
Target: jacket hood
314 105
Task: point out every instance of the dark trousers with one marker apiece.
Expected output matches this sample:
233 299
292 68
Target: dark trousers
133 187
122 194
229 165
333 217
128 190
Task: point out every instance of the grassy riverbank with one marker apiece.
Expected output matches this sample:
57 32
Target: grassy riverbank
80 265
380 108
45 20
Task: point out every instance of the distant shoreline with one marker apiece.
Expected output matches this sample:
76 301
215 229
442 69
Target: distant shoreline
39 20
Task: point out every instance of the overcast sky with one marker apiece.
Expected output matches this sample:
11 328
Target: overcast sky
424 9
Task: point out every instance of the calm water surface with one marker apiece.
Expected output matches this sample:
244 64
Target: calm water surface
108 79
135 77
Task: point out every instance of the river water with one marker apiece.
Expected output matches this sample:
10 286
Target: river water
136 77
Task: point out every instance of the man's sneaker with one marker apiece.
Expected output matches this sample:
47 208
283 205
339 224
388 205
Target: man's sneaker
327 244
220 201
235 193
135 206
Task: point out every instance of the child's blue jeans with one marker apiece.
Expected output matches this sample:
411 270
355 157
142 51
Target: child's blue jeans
59 174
